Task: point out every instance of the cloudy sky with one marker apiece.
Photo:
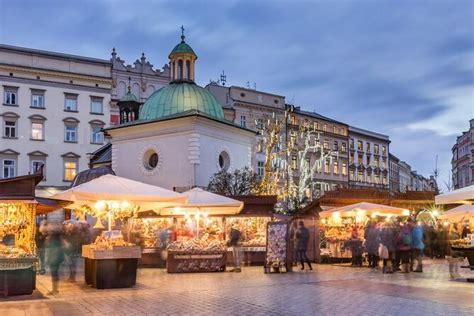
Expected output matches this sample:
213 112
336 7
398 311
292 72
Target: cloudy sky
401 68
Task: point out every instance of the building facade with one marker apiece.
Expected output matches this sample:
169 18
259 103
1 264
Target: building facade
394 173
368 159
462 162
53 109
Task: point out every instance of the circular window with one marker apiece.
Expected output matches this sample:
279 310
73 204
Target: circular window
242 94
224 161
150 160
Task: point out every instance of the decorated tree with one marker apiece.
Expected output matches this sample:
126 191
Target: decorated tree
238 182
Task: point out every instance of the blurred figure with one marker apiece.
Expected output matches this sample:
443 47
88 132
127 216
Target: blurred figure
442 240
372 242
302 240
396 227
70 244
404 241
388 240
417 247
54 254
293 241
235 243
355 245
427 239
40 238
466 230
454 256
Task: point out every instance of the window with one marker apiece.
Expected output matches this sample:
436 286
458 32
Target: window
316 125
10 96
180 69
335 146
384 163
37 99
384 179
352 175
35 166
334 129
343 147
384 150
70 102
293 137
260 168
97 136
259 123
368 160
96 105
243 121
351 158
325 127
306 123
9 168
344 169
10 129
376 162
188 70
293 119
351 144
70 134
377 179
360 159
335 165
294 162
360 176
326 166
37 130
70 169
369 177
367 146
326 144
376 149
224 161
359 145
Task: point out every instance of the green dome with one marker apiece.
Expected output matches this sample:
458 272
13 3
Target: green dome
182 48
129 97
180 97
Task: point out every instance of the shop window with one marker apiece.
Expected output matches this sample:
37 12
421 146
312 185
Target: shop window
97 105
9 168
70 102
37 99
10 96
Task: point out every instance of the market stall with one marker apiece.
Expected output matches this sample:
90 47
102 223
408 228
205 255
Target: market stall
111 261
338 225
460 196
18 207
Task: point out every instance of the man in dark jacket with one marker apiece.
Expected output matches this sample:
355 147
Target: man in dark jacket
302 240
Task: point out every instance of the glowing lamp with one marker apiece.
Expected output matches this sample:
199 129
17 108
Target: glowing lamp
406 213
100 205
435 213
124 205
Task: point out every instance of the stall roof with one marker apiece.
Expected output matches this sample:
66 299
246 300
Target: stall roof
459 213
259 205
460 196
19 188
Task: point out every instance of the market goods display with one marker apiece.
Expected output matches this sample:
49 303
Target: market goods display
197 245
461 243
254 230
277 243
13 252
109 240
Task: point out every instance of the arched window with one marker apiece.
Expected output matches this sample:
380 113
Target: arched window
188 70
180 69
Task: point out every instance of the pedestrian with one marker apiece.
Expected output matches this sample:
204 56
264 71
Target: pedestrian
355 245
388 240
404 241
417 247
54 255
40 238
235 243
293 241
372 242
442 238
70 244
454 257
396 228
466 230
302 240
434 241
427 240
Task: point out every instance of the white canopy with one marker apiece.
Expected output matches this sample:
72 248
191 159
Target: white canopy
459 213
113 188
366 209
211 203
460 196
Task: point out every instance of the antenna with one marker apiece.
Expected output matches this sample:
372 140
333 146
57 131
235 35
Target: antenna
223 78
248 84
436 170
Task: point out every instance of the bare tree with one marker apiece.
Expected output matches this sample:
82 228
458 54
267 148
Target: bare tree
239 182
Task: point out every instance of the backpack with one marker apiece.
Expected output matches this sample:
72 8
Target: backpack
406 239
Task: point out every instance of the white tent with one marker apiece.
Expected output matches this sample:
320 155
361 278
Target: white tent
210 203
460 196
459 213
365 208
113 188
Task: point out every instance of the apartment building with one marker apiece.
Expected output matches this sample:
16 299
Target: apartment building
53 108
462 162
368 159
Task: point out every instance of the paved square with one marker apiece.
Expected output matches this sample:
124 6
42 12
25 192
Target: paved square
327 290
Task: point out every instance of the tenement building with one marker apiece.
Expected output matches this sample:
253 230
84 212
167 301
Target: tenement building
368 159
53 109
394 173
463 159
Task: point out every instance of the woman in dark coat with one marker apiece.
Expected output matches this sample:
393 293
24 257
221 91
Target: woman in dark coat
54 255
302 240
388 239
372 242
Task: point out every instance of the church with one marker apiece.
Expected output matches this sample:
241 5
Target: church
179 137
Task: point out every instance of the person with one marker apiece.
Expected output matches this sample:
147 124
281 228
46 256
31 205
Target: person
466 230
388 240
302 240
442 238
454 256
293 241
235 238
404 242
70 244
396 227
54 255
355 245
427 240
372 242
40 238
434 242
417 247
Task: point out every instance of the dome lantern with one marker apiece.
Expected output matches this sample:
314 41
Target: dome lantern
182 59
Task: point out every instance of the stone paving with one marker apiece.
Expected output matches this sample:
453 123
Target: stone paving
327 290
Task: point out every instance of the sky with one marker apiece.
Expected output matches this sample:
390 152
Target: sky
400 68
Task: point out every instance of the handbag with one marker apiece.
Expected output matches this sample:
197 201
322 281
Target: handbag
383 252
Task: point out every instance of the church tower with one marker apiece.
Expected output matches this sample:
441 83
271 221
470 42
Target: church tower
182 60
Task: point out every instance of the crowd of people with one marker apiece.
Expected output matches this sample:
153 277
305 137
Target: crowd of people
401 246
58 243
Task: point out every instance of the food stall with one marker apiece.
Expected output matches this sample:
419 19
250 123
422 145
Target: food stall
110 261
18 208
339 224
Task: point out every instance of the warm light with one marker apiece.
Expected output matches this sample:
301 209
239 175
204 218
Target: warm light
360 213
177 210
445 223
374 214
324 221
124 205
204 214
336 215
114 205
387 219
435 213
100 205
406 213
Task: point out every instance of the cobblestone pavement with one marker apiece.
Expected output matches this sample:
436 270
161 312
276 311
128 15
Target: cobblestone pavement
327 290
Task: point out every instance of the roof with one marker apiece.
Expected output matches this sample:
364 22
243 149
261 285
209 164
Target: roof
365 132
180 97
316 115
189 113
33 51
129 97
182 48
90 174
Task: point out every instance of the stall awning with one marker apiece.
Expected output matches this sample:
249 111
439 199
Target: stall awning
459 196
367 208
459 213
